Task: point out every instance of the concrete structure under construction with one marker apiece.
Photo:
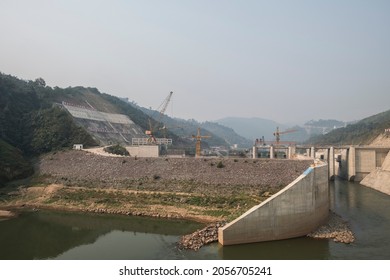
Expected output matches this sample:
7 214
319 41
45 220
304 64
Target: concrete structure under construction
144 151
287 152
105 128
379 179
295 211
352 163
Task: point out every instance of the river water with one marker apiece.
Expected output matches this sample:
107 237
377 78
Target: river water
59 235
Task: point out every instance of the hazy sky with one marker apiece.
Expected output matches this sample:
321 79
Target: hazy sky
289 61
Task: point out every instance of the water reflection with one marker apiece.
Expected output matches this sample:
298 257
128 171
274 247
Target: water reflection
43 235
291 249
56 235
120 245
367 212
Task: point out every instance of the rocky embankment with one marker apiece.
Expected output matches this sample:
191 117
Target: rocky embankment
199 238
336 229
78 168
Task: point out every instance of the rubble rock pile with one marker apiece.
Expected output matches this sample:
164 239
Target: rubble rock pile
82 169
196 240
336 228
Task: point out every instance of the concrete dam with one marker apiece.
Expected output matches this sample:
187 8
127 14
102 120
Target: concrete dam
369 165
295 211
303 205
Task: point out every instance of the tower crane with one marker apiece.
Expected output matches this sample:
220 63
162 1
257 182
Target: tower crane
198 138
277 134
152 128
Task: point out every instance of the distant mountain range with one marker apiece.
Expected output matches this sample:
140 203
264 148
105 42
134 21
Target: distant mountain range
362 132
37 119
220 134
256 128
252 128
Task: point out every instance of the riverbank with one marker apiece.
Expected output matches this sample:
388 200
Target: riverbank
5 214
205 189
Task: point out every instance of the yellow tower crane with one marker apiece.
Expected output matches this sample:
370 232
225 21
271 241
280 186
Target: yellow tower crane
277 134
198 138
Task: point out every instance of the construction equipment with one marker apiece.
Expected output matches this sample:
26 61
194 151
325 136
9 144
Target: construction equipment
277 134
198 138
152 128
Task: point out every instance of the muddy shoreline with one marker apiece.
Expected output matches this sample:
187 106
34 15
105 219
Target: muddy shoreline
6 214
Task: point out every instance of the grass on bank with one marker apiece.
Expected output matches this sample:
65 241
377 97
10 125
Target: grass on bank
224 207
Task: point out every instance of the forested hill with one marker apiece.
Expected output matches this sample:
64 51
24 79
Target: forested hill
32 124
360 133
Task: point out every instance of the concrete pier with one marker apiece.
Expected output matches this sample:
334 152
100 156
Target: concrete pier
331 163
351 164
312 152
271 152
254 152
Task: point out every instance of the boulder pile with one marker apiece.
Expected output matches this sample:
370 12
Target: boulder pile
336 228
196 240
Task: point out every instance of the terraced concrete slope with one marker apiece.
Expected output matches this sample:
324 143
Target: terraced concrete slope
106 128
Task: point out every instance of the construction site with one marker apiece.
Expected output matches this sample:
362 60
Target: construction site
118 129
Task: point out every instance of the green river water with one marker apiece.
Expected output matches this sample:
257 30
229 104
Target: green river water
61 235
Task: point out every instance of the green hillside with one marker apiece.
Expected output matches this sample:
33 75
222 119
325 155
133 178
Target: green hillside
32 121
12 163
360 133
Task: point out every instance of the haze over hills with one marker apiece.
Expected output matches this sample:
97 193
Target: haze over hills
256 128
252 128
220 134
360 133
36 119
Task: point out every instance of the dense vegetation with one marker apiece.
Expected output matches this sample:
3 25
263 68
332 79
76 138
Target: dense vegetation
117 150
12 163
362 132
30 125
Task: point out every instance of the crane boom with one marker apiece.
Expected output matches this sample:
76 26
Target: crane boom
164 105
152 128
277 134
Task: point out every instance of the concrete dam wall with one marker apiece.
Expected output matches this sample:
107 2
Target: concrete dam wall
295 211
379 179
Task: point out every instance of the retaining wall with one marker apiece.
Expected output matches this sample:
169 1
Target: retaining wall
143 151
294 211
379 179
